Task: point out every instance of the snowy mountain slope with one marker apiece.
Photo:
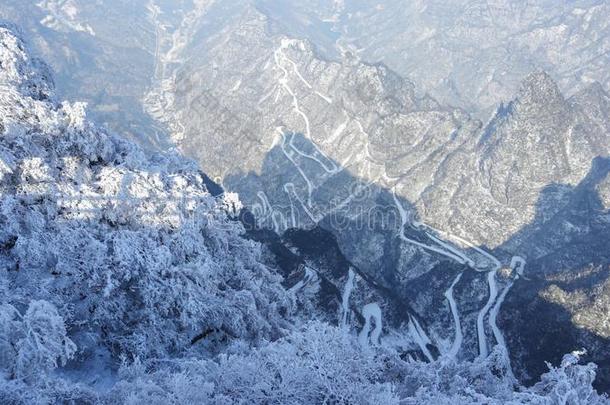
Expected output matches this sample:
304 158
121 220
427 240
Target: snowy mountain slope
290 105
131 252
468 54
124 281
175 52
568 293
101 53
314 141
539 139
406 186
318 128
474 54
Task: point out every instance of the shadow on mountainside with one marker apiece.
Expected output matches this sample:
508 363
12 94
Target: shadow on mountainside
362 217
567 277
365 221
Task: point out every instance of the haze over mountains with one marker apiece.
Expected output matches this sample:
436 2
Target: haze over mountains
443 166
473 54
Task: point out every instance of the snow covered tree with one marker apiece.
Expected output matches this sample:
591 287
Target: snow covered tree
111 255
34 343
130 249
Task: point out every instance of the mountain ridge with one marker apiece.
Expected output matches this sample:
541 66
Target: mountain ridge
414 194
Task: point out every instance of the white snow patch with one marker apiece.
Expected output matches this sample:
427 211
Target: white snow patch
459 337
325 98
236 86
347 291
493 293
518 264
369 311
337 132
63 16
420 337
309 278
493 316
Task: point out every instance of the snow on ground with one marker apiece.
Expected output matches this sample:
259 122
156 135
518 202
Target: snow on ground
457 342
370 311
493 293
404 218
517 263
278 57
420 337
349 286
493 316
309 277
63 16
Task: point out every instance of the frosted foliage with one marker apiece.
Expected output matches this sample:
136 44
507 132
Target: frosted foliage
35 342
318 364
129 251
321 364
122 280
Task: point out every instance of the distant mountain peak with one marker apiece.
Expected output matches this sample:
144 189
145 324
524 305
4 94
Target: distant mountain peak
539 88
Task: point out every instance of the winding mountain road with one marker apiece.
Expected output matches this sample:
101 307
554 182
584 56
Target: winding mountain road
459 337
370 311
